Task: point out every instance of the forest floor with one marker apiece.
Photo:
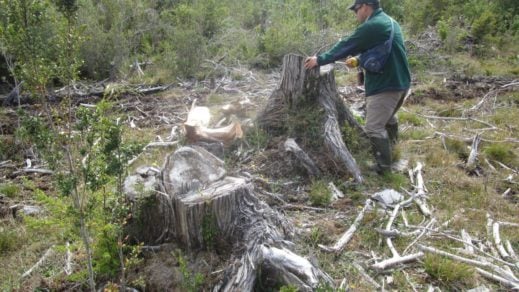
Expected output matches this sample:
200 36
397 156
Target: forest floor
439 122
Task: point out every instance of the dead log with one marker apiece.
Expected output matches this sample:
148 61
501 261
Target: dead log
197 129
472 163
300 86
196 204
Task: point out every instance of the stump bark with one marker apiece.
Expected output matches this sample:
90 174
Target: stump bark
317 85
195 201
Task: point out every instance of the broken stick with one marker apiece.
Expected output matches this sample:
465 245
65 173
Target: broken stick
345 238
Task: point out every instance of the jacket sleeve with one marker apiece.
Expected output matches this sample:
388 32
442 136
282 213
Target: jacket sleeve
344 48
349 46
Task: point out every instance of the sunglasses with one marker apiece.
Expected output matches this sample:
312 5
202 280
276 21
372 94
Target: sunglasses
356 8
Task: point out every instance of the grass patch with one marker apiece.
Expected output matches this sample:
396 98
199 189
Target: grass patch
437 157
256 138
410 118
9 190
457 147
447 272
414 134
503 153
10 240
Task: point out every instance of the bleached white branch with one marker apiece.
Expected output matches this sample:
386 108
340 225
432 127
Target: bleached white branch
511 250
512 284
38 263
396 260
497 241
503 273
345 238
366 276
467 241
68 261
424 231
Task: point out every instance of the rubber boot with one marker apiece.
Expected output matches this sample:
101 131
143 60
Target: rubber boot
382 150
392 132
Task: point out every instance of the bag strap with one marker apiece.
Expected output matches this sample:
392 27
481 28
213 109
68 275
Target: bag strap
392 34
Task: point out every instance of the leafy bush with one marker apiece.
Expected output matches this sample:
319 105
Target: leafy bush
484 25
106 255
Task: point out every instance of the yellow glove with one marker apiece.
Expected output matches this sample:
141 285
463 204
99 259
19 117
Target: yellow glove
352 62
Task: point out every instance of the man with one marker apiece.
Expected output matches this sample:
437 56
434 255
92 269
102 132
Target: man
384 91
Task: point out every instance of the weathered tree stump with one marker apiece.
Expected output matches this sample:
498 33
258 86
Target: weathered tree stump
317 86
194 201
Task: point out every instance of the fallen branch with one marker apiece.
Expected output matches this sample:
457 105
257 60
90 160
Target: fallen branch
480 248
38 263
497 241
33 170
472 262
459 119
424 231
419 197
380 266
160 144
512 284
292 147
396 257
467 241
366 276
511 250
68 261
302 207
489 243
345 238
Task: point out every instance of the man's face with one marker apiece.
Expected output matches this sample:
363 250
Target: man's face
361 11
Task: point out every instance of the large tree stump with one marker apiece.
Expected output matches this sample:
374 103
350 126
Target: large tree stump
194 201
317 85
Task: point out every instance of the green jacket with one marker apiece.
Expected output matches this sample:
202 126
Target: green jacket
374 31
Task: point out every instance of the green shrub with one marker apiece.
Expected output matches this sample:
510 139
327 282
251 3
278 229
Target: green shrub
319 194
484 25
192 281
106 260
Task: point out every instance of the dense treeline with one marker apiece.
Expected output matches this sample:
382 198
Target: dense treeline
41 41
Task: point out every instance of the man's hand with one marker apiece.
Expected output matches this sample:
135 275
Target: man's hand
352 62
311 62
